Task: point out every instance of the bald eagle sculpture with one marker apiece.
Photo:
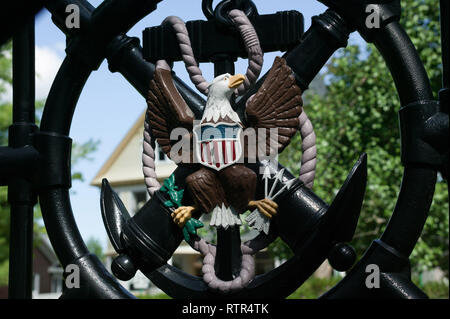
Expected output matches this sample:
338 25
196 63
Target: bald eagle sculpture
222 184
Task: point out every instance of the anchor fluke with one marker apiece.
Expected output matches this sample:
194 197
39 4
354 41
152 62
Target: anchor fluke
346 208
114 215
347 204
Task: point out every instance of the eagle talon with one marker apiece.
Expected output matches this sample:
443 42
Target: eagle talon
182 214
265 206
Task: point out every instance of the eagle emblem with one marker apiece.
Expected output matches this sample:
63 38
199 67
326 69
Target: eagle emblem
218 145
223 185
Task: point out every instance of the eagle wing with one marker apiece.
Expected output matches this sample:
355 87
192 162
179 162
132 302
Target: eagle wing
276 105
167 110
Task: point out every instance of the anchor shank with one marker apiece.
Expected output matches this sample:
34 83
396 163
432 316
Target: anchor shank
229 254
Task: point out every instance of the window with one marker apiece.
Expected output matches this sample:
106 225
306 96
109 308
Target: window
160 155
56 283
140 198
36 283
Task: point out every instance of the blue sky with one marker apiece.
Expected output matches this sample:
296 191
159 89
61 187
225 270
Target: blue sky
109 106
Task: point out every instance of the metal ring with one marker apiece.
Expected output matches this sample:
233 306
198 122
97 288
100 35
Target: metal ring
223 8
56 201
207 9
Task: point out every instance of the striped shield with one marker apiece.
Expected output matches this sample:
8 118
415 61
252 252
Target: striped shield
218 145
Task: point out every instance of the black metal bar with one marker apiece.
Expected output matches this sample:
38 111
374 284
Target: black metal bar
20 191
229 255
86 52
59 14
124 55
223 63
445 17
17 162
14 14
328 32
276 32
444 99
411 211
84 55
23 74
418 182
404 63
71 71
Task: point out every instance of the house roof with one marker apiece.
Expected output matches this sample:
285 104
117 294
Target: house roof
45 247
124 166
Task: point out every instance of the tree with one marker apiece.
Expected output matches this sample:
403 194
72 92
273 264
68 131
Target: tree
79 152
359 114
95 246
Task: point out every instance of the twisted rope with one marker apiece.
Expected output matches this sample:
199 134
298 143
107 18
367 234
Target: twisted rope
195 74
251 43
246 274
148 159
255 57
309 150
252 46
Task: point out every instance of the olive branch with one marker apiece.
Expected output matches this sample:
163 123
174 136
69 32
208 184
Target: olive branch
175 197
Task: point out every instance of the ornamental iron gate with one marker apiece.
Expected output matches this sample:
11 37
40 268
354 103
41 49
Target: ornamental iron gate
36 164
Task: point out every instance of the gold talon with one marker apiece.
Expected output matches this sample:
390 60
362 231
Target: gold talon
182 214
265 206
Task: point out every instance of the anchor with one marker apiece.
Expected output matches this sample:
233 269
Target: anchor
147 240
37 160
312 229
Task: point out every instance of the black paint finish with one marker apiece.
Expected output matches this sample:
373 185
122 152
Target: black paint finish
424 125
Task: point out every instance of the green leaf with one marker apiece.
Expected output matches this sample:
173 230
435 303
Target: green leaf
190 228
168 203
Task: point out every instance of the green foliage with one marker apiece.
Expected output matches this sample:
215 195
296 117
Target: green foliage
4 272
358 114
435 290
158 296
175 194
190 228
94 245
5 66
314 287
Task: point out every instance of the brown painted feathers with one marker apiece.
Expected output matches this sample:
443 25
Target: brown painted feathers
276 105
166 109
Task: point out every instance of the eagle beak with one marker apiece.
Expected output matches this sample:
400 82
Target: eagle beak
236 80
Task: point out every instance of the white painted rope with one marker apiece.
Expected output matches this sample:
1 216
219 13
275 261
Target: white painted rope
309 150
148 160
246 274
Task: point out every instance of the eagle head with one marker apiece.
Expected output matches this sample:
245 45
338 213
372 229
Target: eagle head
224 85
218 105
